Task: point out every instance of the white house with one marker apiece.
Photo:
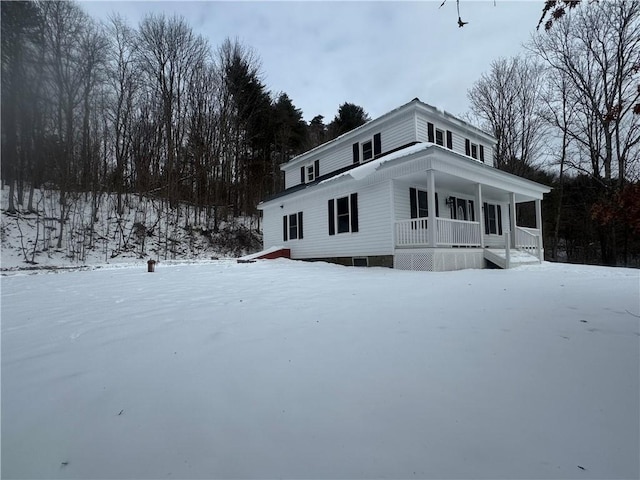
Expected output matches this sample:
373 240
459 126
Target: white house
413 189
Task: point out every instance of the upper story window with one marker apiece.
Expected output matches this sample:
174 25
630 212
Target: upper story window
474 150
368 149
308 173
439 136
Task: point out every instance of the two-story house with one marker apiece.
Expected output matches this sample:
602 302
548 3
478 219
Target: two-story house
413 189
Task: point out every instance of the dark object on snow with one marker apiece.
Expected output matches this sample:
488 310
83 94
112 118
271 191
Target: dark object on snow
151 266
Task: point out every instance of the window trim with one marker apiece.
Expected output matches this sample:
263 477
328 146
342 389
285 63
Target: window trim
496 209
443 136
288 227
369 151
349 218
374 149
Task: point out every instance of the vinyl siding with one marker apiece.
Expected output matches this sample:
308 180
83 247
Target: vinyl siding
401 202
374 221
394 133
458 135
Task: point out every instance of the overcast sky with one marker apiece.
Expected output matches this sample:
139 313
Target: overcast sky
378 55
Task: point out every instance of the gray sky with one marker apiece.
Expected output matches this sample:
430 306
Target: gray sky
376 54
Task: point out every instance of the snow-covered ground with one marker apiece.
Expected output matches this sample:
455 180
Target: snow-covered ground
308 370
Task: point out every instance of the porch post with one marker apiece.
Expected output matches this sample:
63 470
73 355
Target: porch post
539 227
479 217
431 219
514 221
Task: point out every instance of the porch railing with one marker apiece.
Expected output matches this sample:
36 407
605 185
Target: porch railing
529 240
458 233
414 232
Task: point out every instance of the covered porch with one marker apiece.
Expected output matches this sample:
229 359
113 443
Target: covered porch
475 208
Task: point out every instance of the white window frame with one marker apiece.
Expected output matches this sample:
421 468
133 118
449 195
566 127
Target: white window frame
310 173
474 146
362 144
444 136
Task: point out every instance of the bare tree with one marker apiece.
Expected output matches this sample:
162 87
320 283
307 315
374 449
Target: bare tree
508 102
124 86
597 49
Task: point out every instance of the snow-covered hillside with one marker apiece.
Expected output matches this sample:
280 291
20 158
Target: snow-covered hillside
95 233
283 369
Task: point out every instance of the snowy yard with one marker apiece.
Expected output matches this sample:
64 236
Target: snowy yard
308 370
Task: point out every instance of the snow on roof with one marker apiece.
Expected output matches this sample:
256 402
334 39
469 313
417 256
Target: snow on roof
368 168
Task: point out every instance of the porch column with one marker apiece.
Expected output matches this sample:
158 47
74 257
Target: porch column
514 221
539 227
431 219
478 212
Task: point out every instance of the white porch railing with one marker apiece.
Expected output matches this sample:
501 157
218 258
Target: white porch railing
458 233
414 233
529 240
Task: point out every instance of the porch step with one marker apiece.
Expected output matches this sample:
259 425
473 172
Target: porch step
498 256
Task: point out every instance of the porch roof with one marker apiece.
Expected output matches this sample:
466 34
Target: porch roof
453 171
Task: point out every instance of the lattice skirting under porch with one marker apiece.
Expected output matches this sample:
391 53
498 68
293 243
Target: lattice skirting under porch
438 259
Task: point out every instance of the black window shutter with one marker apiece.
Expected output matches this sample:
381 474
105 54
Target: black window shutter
485 208
354 212
332 220
302 177
414 202
472 212
284 228
316 168
300 225
481 153
430 134
377 144
437 208
499 214
467 147
449 140
356 153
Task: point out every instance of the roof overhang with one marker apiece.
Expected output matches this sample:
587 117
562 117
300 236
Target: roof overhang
413 163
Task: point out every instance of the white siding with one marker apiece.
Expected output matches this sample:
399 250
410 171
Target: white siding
458 136
396 132
402 205
375 232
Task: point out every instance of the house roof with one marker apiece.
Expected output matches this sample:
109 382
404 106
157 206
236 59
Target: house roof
361 171
413 104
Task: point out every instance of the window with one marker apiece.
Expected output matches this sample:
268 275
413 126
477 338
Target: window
310 172
439 137
343 214
367 150
492 219
292 227
418 202
471 149
461 209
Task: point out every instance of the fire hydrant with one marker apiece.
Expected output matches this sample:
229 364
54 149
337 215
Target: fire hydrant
151 266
